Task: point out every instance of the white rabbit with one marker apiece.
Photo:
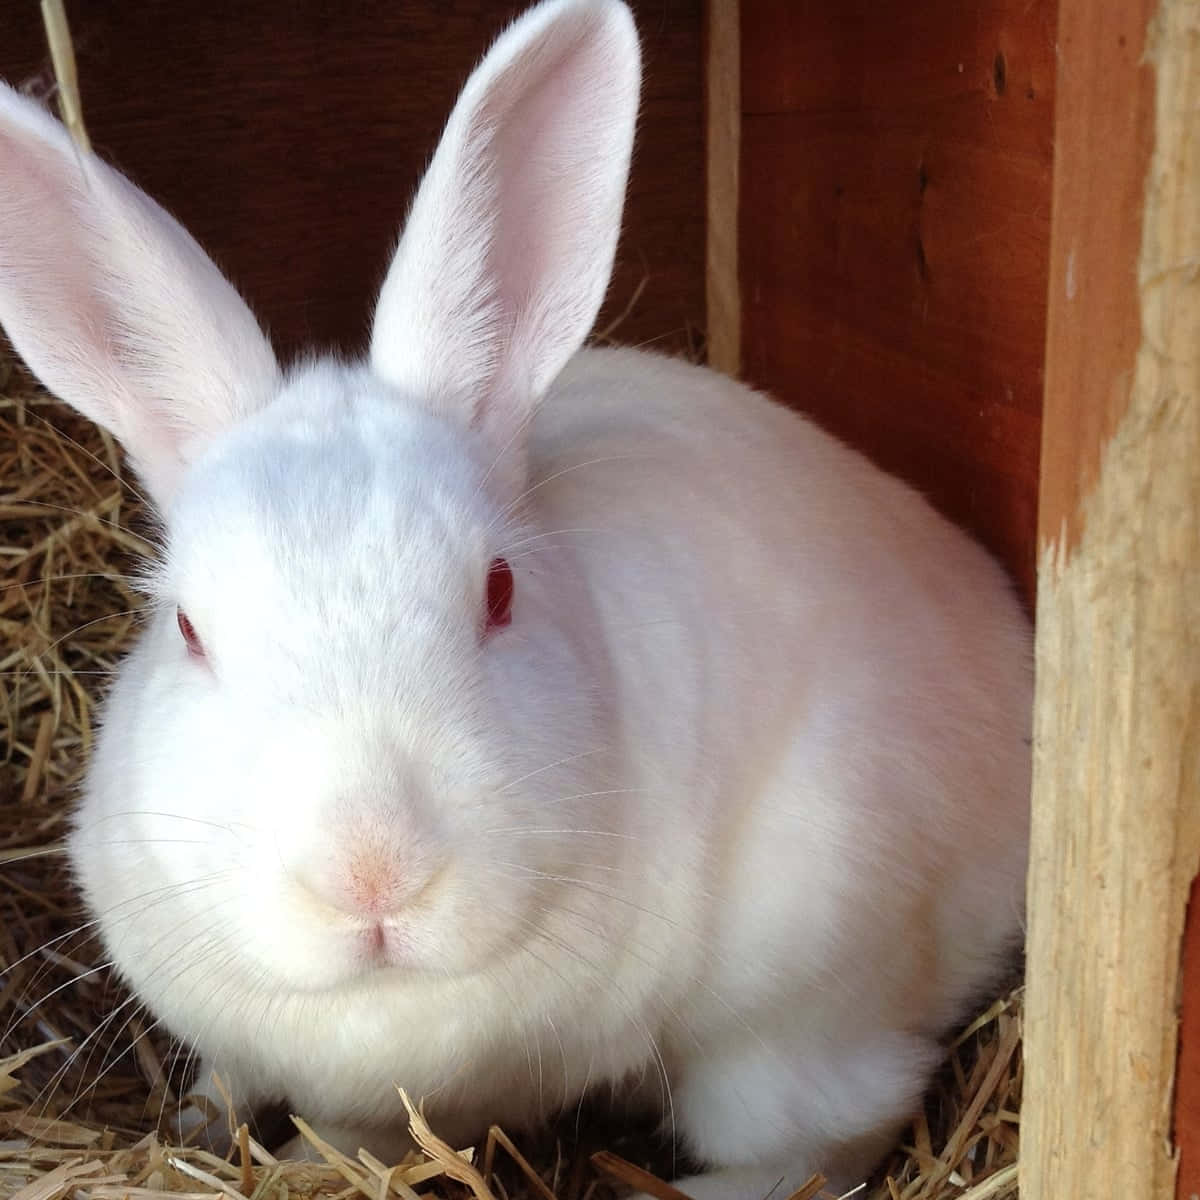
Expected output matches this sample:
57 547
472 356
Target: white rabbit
513 719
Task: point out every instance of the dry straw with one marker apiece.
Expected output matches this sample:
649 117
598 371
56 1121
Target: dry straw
88 1086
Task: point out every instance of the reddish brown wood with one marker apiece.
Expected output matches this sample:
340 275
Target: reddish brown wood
896 172
1106 123
289 138
723 129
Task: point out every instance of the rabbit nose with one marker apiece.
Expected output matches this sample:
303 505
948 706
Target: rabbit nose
372 885
365 884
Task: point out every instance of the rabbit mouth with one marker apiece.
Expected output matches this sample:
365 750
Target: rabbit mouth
383 944
375 937
329 957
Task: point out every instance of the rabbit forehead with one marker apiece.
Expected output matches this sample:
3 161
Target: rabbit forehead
339 499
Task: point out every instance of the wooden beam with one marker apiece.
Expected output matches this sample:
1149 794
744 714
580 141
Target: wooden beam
723 101
1116 817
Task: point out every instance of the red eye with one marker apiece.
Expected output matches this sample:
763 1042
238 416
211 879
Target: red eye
190 637
499 594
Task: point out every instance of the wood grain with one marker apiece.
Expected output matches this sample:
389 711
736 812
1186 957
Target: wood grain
1116 824
289 139
1106 113
895 218
723 112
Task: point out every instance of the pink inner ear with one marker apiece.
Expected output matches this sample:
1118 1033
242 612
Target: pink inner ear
508 248
499 594
558 178
114 306
191 638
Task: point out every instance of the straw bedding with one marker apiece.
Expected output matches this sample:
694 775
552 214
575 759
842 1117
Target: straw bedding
87 1085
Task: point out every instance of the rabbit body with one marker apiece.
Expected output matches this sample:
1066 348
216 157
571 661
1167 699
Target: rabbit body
729 809
755 897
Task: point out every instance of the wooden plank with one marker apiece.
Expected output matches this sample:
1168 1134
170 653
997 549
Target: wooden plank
723 109
895 220
289 139
1116 822
1103 150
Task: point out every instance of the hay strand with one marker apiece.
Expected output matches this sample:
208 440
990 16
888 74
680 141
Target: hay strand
636 1177
809 1190
62 54
452 1162
497 1137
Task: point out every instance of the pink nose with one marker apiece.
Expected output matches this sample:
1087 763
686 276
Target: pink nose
363 884
373 886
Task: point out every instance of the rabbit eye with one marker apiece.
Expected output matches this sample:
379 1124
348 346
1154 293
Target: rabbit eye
499 594
191 638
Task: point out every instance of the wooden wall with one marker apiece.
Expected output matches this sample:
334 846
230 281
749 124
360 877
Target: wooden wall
289 138
895 181
1112 1015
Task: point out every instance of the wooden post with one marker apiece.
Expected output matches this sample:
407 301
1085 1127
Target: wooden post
723 103
1116 821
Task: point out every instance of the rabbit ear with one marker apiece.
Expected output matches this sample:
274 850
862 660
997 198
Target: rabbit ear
509 245
112 304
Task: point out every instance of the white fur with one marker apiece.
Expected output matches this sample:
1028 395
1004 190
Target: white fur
113 305
734 812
